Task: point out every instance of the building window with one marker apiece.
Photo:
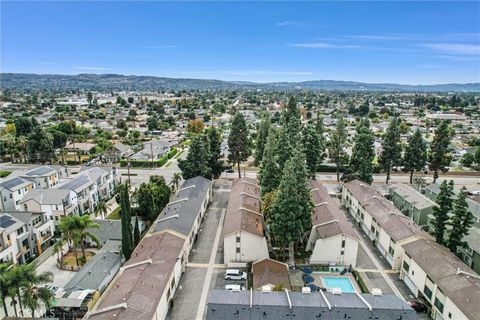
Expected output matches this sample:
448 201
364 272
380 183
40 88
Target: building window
343 243
238 239
449 315
406 266
391 251
238 250
439 305
427 292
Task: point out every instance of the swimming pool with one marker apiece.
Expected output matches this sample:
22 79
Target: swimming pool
345 284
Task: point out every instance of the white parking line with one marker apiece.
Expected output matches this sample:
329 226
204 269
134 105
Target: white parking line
379 266
208 278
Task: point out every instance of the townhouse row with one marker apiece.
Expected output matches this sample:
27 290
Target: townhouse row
448 286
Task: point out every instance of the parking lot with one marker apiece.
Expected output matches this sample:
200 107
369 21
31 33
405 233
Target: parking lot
196 281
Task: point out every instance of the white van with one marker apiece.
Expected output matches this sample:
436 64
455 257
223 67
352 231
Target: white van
235 274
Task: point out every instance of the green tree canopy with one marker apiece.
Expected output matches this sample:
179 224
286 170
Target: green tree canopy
262 135
391 148
238 143
442 210
336 146
461 222
363 153
196 163
415 157
439 150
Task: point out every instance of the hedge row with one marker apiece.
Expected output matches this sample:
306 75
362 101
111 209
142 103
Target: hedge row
148 163
360 281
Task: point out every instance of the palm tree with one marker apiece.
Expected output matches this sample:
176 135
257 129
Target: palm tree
58 250
177 177
28 289
101 209
67 226
5 281
83 223
32 294
22 142
12 293
9 141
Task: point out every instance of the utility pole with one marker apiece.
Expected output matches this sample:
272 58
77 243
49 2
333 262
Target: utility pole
151 154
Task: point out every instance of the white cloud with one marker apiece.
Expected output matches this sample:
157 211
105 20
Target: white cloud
91 68
455 48
289 23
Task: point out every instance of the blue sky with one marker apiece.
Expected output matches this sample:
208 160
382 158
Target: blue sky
422 42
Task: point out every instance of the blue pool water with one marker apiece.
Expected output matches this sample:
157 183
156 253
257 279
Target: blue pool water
336 282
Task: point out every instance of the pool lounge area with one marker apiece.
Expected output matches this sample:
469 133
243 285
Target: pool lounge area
344 283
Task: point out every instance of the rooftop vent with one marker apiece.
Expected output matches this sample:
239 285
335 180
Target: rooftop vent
376 292
306 290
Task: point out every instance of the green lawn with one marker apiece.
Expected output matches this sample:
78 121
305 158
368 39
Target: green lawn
4 173
115 214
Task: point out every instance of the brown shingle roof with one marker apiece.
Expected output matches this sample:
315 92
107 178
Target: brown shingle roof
326 210
270 272
393 221
441 266
243 211
141 287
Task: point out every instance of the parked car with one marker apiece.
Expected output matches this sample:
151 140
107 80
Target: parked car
235 274
234 287
416 304
229 171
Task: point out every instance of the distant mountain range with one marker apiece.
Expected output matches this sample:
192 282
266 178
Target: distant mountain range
26 81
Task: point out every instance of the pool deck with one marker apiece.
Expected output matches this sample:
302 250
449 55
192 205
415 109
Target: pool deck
318 281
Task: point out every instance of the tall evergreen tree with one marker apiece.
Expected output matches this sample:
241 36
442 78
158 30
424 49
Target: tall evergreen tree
439 150
262 135
291 212
336 147
461 222
320 129
290 121
269 173
214 152
391 148
363 153
136 233
441 211
126 220
196 163
415 157
313 149
238 143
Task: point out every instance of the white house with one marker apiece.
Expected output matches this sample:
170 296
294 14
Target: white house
10 229
244 228
332 239
12 191
449 286
44 177
381 221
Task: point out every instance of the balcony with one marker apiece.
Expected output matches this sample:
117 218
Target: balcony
44 236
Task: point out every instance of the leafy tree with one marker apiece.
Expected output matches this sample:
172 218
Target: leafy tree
461 222
238 144
89 98
4 285
363 153
477 156
267 201
214 151
195 126
391 148
291 211
152 123
262 135
40 146
196 163
439 150
161 191
146 201
336 146
468 159
24 125
415 157
441 211
269 172
175 183
313 149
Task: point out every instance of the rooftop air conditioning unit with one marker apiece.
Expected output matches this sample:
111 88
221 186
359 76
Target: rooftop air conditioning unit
306 290
267 289
376 292
336 291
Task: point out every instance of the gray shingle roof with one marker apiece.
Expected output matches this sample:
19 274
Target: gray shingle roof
40 171
95 271
412 196
47 196
224 304
180 214
14 183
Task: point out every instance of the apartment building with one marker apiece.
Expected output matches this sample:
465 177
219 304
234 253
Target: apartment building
332 239
450 288
385 225
44 177
55 203
412 203
244 228
23 235
12 191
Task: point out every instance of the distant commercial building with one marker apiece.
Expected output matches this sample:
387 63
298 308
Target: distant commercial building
254 305
332 239
244 228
